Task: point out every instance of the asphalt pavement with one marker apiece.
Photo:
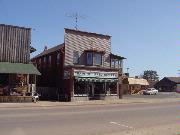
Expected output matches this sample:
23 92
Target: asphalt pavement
160 95
115 119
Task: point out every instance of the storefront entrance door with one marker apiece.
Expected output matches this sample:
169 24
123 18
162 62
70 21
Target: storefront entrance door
91 90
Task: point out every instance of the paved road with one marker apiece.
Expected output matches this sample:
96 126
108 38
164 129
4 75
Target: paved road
87 120
160 95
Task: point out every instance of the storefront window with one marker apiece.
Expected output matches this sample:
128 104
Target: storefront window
80 88
113 88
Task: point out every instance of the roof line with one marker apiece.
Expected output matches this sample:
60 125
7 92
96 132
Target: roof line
46 51
93 33
14 26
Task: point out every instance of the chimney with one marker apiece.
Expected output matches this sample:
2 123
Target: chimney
45 47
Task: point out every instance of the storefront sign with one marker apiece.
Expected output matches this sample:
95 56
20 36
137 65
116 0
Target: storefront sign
95 74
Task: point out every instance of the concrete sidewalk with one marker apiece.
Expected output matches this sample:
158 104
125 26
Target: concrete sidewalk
83 103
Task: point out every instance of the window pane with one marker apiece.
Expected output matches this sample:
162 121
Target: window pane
49 60
89 58
98 59
75 57
58 58
44 58
39 61
116 64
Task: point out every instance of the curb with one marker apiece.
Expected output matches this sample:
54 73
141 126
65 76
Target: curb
83 103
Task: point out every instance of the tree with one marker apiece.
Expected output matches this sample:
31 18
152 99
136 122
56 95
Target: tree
150 75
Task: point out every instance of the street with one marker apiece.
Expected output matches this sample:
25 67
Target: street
160 95
121 119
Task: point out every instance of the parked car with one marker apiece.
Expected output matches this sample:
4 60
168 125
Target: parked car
150 91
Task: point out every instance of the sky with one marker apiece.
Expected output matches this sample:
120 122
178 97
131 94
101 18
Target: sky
146 32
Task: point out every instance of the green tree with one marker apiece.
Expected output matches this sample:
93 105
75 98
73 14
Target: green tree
150 75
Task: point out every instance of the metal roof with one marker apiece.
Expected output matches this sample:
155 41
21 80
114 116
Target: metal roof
48 51
138 81
174 79
18 68
117 56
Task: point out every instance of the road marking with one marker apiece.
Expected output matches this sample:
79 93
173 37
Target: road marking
116 123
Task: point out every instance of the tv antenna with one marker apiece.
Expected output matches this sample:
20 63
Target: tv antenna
76 17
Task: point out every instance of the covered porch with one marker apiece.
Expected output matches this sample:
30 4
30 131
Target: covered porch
14 81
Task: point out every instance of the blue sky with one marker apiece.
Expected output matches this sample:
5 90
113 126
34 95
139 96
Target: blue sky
146 32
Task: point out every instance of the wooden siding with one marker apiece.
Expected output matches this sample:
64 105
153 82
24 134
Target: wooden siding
80 41
52 73
14 44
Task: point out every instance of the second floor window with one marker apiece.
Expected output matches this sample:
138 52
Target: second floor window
116 63
89 58
58 58
97 59
49 60
39 62
75 57
44 59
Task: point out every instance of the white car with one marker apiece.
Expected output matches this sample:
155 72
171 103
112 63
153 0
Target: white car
150 91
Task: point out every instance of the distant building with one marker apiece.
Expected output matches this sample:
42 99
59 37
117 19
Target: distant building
82 68
167 84
134 85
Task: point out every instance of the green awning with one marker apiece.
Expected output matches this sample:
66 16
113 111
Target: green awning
18 68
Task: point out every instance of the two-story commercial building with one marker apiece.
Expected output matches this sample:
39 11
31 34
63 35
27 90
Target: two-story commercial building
82 68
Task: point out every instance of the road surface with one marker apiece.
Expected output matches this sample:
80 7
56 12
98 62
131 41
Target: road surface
127 119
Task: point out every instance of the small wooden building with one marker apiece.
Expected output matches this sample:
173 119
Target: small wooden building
168 84
82 68
134 85
15 66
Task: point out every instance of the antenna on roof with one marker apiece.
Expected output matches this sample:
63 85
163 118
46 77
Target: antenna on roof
76 16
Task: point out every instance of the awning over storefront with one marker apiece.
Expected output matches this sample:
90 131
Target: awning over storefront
18 68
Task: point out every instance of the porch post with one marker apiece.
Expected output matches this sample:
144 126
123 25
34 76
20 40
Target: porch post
28 88
72 89
118 92
105 88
